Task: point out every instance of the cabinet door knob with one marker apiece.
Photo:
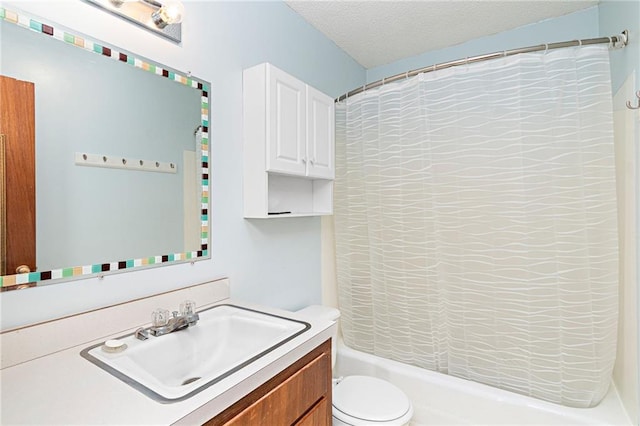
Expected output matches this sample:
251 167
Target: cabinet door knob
23 269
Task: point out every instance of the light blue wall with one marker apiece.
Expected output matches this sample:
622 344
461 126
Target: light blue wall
615 16
275 261
578 25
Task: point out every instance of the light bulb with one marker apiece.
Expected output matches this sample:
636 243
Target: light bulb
171 12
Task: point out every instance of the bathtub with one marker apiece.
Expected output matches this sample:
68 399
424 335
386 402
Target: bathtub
439 399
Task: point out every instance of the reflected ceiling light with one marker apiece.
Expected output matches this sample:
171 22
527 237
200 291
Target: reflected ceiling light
161 17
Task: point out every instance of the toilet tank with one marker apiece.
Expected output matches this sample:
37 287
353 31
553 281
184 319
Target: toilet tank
324 313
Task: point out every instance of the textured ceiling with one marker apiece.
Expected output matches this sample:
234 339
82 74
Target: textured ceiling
380 32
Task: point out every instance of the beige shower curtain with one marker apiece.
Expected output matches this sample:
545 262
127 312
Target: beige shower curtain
475 221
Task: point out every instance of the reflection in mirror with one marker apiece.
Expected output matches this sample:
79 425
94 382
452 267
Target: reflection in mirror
143 128
160 17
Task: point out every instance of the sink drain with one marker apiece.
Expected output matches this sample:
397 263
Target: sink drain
190 380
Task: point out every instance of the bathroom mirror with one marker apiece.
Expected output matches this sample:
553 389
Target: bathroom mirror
121 155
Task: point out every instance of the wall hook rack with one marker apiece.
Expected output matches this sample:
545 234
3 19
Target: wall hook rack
115 162
637 106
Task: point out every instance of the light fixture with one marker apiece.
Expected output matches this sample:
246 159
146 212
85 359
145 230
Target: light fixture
170 12
160 17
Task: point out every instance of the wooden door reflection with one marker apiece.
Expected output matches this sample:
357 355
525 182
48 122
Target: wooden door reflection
18 217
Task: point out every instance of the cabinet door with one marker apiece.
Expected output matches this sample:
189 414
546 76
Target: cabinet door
320 134
286 123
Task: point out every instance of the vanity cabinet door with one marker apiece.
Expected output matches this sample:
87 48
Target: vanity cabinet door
300 395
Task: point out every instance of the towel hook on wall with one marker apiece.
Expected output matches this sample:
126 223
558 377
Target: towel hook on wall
637 103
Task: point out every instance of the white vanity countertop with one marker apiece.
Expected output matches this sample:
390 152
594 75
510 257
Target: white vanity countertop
63 388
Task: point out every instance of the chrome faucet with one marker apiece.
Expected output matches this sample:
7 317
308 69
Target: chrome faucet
163 324
175 323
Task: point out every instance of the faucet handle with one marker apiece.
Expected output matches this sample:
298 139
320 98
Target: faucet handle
188 307
160 317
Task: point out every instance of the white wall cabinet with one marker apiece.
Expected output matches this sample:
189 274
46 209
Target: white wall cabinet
289 141
320 134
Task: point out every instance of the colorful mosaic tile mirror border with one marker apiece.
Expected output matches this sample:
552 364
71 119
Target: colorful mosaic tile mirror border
10 282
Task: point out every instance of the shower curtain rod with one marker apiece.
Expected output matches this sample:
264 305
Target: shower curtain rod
619 40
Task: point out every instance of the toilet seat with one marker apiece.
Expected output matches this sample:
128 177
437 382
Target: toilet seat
360 400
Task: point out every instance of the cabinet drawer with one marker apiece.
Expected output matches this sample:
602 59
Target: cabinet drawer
317 416
299 395
291 399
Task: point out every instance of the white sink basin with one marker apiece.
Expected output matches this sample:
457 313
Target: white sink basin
178 365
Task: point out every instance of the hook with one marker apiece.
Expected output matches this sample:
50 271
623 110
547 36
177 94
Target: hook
638 105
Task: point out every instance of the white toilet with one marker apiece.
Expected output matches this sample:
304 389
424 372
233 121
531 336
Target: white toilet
362 400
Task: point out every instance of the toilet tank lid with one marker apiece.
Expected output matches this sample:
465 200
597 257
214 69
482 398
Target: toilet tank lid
321 312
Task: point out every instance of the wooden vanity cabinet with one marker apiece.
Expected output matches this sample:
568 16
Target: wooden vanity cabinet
299 395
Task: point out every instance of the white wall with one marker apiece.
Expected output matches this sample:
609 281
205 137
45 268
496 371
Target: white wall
275 262
625 371
616 16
